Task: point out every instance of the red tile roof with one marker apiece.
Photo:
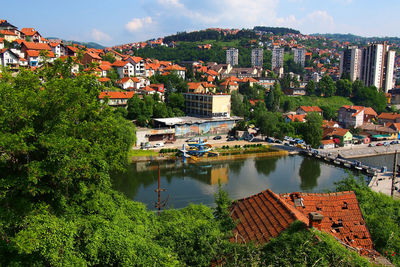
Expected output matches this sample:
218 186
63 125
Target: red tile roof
367 110
342 216
28 31
126 79
175 67
116 95
7 32
265 215
311 108
36 46
294 117
104 79
119 63
389 116
262 216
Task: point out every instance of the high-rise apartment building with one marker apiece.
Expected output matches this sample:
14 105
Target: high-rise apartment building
277 58
374 65
350 63
232 56
257 56
300 56
378 66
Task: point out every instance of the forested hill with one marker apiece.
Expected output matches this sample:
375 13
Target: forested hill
357 39
276 30
209 34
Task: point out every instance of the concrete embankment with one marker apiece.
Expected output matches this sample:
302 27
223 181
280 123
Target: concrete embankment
234 155
359 151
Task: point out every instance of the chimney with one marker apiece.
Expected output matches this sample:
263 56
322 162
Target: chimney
315 220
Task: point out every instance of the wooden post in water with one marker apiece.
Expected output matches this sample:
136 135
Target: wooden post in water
158 204
394 173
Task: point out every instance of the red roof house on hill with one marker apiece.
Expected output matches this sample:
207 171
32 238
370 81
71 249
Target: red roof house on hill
306 109
265 215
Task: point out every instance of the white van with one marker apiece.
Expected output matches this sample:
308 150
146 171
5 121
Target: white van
160 144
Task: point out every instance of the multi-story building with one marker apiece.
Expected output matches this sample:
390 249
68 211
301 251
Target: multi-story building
300 56
257 56
277 58
232 56
378 66
350 63
207 105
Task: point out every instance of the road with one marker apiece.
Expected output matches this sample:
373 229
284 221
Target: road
363 150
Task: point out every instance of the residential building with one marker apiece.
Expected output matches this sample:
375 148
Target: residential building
257 56
294 118
58 49
138 64
90 57
232 56
31 35
304 110
378 66
339 135
8 59
299 56
355 116
180 71
124 68
116 99
350 63
277 58
129 83
8 35
265 215
207 105
385 117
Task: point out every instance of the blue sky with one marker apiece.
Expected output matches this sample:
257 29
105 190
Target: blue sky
123 21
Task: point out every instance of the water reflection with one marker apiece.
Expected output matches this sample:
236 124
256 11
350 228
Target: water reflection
197 183
309 172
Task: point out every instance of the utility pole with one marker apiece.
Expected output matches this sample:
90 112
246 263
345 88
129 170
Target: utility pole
158 205
394 173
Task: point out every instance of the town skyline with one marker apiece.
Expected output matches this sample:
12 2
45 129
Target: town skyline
158 18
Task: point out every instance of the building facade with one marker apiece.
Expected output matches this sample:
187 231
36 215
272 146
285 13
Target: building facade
277 58
257 57
207 105
299 56
232 56
378 66
350 63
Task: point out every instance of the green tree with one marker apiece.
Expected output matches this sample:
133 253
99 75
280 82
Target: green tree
310 87
344 88
160 110
312 129
109 57
327 86
176 101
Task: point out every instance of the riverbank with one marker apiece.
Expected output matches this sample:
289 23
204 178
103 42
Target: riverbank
359 151
234 152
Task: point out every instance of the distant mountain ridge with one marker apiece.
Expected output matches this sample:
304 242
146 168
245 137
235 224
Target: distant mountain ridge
356 38
87 44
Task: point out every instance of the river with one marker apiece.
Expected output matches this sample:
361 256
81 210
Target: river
197 183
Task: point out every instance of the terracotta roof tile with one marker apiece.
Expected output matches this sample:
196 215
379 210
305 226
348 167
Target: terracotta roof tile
311 108
36 46
116 95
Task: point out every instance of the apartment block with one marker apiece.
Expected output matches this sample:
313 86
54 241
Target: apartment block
207 105
232 56
299 56
350 63
257 56
277 58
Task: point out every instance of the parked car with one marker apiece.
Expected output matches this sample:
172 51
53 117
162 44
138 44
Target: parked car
190 140
218 137
371 145
278 141
160 144
231 138
147 146
394 142
379 144
386 144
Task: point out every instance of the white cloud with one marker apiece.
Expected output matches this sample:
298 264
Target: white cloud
171 3
100 36
137 24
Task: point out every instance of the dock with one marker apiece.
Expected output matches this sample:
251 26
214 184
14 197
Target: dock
380 179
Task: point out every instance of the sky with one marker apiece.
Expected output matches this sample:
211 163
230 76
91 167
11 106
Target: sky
113 22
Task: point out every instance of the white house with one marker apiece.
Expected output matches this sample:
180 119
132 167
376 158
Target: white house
8 58
116 99
180 71
129 83
58 49
143 82
139 65
124 68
